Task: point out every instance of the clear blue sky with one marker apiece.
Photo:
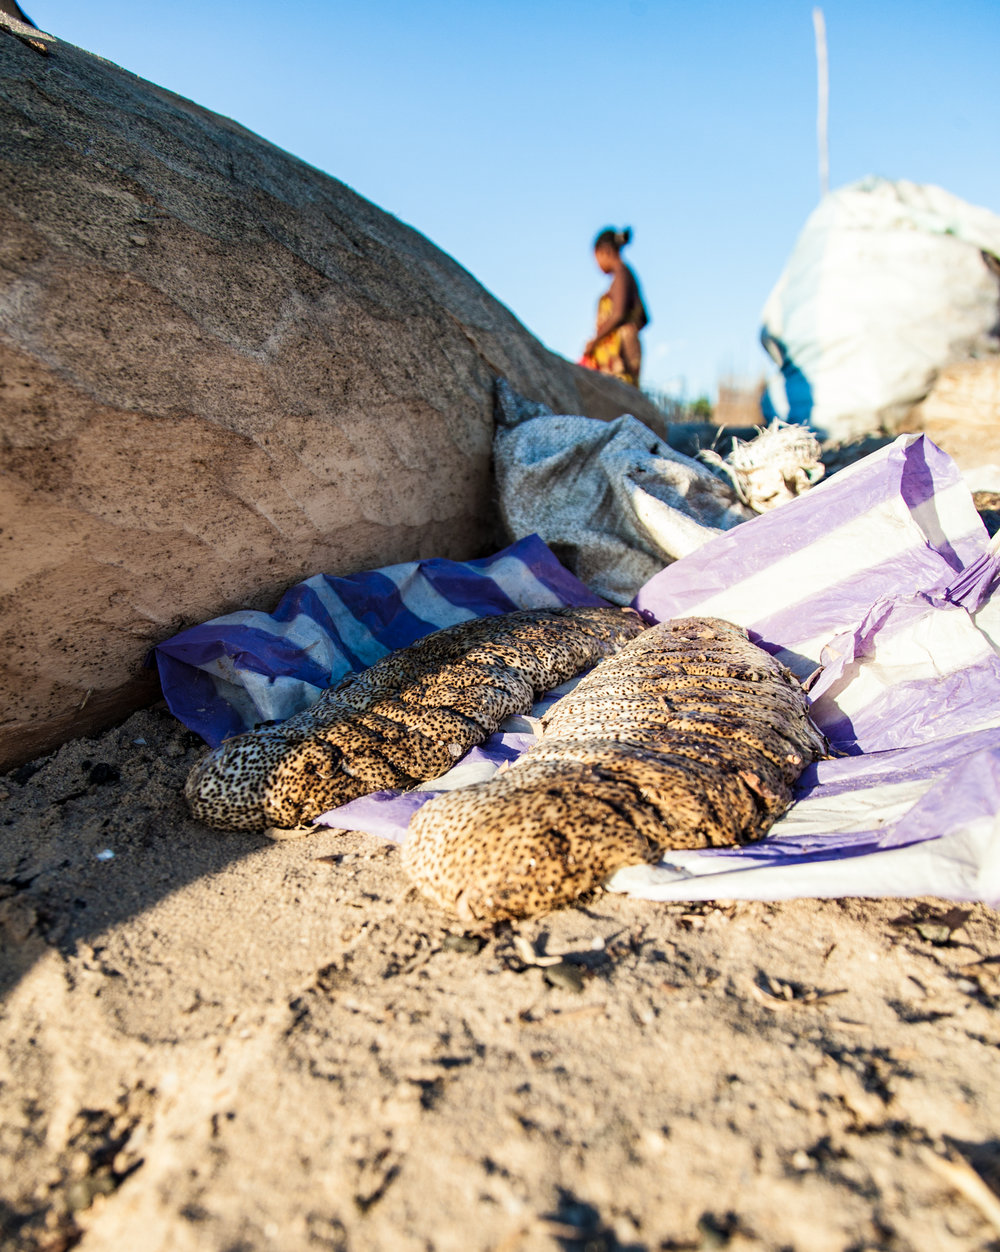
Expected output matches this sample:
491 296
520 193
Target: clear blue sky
510 131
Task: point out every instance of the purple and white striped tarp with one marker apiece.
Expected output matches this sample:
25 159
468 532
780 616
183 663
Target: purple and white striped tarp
883 575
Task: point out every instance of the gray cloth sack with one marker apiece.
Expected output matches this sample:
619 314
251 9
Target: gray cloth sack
614 502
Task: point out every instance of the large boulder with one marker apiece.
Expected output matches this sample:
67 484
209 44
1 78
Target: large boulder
221 370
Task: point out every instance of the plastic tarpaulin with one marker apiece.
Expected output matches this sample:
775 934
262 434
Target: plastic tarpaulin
239 671
883 576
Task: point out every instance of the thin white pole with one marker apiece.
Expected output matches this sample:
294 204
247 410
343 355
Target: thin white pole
822 101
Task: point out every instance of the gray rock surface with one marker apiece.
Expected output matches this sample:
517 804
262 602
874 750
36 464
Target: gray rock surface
221 370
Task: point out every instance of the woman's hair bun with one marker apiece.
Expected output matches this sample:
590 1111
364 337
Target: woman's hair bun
609 237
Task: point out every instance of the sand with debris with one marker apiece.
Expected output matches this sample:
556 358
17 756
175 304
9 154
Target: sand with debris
219 1042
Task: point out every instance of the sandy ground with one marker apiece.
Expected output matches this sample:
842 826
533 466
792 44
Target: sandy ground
219 1042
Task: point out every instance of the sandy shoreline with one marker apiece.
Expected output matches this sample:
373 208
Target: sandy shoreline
220 1042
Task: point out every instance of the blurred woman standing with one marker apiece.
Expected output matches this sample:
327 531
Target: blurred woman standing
621 314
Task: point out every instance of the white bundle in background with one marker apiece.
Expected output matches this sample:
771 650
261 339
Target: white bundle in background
889 283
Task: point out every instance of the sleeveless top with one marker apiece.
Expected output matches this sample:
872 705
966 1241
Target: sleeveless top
635 309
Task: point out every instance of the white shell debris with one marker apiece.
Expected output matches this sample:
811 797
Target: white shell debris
780 464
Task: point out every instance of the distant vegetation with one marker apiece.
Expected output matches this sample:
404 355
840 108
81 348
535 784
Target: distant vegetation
676 410
738 404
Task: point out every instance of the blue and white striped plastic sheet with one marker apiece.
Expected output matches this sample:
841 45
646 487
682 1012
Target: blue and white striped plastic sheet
882 575
235 672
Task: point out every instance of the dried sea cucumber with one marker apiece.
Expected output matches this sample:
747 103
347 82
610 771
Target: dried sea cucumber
690 737
404 720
